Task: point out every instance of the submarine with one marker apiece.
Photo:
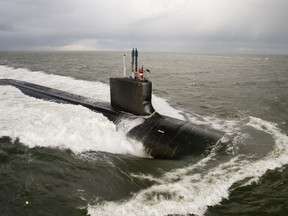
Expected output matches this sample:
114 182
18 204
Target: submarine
130 99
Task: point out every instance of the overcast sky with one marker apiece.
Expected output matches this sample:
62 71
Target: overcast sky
198 26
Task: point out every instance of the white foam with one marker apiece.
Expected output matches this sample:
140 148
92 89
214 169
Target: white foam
228 126
41 123
95 90
162 106
126 124
186 191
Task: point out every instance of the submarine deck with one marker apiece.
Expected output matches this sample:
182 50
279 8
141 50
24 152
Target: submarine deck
56 95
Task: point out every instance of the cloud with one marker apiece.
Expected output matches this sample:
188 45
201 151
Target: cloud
182 25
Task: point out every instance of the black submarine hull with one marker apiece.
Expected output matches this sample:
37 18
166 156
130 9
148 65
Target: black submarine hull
162 136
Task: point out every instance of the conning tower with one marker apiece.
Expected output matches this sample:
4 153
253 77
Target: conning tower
132 94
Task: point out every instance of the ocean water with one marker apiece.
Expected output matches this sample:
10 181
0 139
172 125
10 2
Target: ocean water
61 159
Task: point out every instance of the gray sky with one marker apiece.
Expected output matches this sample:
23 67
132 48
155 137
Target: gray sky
218 26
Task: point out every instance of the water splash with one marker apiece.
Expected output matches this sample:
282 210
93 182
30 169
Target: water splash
193 188
42 123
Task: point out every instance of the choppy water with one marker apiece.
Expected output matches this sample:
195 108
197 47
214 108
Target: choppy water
61 159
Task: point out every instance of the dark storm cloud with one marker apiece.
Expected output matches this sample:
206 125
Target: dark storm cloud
181 25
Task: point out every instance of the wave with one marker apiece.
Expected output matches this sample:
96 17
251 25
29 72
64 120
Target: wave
181 191
190 190
42 123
